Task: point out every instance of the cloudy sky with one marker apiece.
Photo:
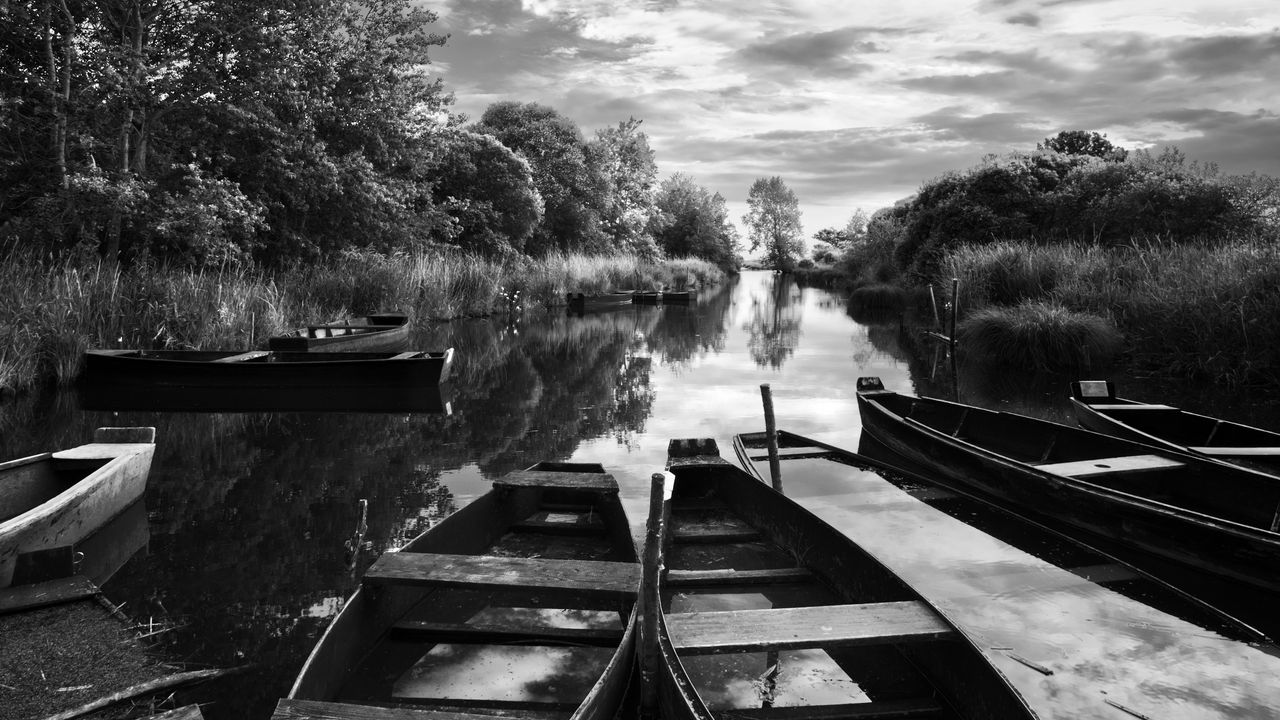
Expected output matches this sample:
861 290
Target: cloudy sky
854 104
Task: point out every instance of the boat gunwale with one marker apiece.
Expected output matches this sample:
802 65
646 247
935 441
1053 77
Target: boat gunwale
80 489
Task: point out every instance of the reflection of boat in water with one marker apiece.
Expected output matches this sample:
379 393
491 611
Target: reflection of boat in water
1097 408
519 603
102 554
54 500
364 333
766 606
429 398
1208 516
263 368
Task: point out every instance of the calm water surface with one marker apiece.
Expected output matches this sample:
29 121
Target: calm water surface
250 516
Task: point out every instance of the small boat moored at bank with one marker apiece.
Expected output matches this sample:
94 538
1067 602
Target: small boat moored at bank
768 612
519 604
363 333
51 501
1208 516
264 368
584 302
1097 408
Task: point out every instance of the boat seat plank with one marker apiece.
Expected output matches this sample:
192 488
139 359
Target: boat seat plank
789 452
1106 466
495 633
101 451
411 354
589 577
317 710
882 710
678 578
1124 406
552 526
51 592
251 355
597 482
707 535
1237 451
805 627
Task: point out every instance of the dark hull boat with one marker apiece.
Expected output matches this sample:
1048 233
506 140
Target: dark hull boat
1097 408
583 302
1204 515
519 604
418 398
364 333
266 369
54 500
768 612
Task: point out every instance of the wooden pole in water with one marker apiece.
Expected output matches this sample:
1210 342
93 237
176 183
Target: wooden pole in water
771 437
933 303
955 307
650 598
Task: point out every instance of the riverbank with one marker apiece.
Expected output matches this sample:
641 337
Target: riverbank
56 312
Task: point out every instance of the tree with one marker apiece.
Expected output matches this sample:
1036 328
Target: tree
1080 142
488 191
622 157
773 220
692 221
571 192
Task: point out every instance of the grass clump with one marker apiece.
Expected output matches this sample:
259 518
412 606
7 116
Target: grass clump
1039 334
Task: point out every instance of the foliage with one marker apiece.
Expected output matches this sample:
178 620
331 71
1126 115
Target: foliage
571 190
488 191
1039 334
692 221
1080 142
624 160
773 220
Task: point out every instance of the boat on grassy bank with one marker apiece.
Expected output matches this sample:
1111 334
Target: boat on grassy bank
267 369
769 612
363 333
598 301
519 604
1215 518
51 501
1097 408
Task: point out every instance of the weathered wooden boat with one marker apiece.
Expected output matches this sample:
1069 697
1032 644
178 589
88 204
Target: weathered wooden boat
519 604
428 398
1097 408
646 297
1215 518
363 333
267 369
583 301
51 501
679 296
768 612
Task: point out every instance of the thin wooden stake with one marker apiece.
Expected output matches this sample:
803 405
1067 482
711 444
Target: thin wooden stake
955 308
771 437
650 597
933 303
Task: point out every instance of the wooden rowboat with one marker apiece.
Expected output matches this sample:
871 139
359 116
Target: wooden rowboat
1097 408
1207 516
428 398
768 612
363 333
50 502
519 604
582 302
266 369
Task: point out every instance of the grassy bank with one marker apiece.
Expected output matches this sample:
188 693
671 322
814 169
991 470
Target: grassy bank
1201 311
54 313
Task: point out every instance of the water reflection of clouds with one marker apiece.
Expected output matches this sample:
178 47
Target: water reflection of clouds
1099 644
803 677
516 673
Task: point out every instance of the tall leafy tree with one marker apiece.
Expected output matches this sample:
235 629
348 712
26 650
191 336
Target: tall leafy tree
556 150
1082 142
622 157
773 220
693 221
488 191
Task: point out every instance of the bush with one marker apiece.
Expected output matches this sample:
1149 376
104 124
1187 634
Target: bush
1041 335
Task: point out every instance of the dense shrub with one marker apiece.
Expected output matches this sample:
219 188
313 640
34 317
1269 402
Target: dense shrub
1039 334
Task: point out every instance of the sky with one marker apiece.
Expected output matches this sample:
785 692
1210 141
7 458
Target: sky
855 104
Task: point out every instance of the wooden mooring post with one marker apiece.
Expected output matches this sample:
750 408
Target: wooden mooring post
651 598
771 437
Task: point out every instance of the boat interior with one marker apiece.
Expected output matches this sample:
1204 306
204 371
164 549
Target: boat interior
1240 496
504 646
28 482
757 573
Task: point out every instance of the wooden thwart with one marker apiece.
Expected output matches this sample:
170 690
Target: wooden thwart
884 710
317 710
805 627
588 577
677 578
1107 466
596 482
411 354
792 452
1125 406
495 632
251 355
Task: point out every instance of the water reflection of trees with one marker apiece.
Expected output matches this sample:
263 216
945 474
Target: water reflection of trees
773 327
685 332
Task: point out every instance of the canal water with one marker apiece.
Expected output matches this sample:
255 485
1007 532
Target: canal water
249 541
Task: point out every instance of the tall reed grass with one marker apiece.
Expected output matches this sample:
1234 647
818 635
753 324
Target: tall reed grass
54 312
1203 311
